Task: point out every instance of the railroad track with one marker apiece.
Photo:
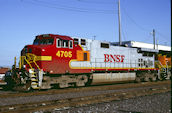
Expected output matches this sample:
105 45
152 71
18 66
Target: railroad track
4 94
79 96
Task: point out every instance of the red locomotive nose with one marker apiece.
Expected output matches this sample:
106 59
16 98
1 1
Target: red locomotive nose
31 49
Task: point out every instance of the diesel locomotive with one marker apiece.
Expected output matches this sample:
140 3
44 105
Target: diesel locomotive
63 61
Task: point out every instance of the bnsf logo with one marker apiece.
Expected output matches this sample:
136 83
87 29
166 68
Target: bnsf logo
113 58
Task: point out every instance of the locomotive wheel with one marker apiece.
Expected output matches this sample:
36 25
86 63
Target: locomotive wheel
138 79
146 79
81 80
161 78
63 85
169 75
154 78
27 87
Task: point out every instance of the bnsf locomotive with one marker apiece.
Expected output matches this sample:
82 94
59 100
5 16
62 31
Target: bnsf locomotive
56 60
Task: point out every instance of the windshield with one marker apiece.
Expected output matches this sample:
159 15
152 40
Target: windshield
43 41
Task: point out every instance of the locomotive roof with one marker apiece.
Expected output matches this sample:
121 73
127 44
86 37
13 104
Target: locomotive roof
144 45
63 37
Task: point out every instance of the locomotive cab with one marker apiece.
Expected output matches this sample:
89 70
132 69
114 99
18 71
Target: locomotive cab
31 55
47 52
49 55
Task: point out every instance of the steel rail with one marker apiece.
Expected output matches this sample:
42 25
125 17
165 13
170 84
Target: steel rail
85 100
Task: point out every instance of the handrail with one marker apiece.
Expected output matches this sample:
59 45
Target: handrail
29 58
28 63
158 63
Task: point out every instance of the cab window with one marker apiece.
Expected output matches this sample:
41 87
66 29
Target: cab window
43 42
58 43
76 41
104 45
70 44
83 42
65 43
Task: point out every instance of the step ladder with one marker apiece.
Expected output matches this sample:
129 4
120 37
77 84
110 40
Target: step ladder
164 70
35 79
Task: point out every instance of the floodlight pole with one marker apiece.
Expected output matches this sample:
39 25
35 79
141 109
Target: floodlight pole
119 20
157 44
154 38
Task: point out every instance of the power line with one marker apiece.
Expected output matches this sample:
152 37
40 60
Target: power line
41 1
140 27
94 2
123 35
161 35
133 21
68 8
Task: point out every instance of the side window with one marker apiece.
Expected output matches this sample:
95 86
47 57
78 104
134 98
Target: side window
83 42
85 56
75 41
65 43
58 43
140 62
144 63
104 45
70 44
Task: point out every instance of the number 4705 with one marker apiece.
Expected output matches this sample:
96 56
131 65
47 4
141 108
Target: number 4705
64 54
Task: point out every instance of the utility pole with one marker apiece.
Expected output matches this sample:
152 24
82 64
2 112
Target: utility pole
119 20
94 37
154 38
157 44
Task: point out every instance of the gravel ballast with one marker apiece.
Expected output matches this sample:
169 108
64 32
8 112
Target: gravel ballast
42 98
159 103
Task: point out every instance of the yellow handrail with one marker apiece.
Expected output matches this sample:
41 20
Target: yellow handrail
157 63
20 62
29 58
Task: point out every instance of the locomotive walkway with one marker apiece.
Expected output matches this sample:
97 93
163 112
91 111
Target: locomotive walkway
44 100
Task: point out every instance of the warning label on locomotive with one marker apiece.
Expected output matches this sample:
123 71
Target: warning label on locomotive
64 54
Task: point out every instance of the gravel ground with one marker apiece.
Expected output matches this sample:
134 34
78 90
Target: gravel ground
159 103
40 98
